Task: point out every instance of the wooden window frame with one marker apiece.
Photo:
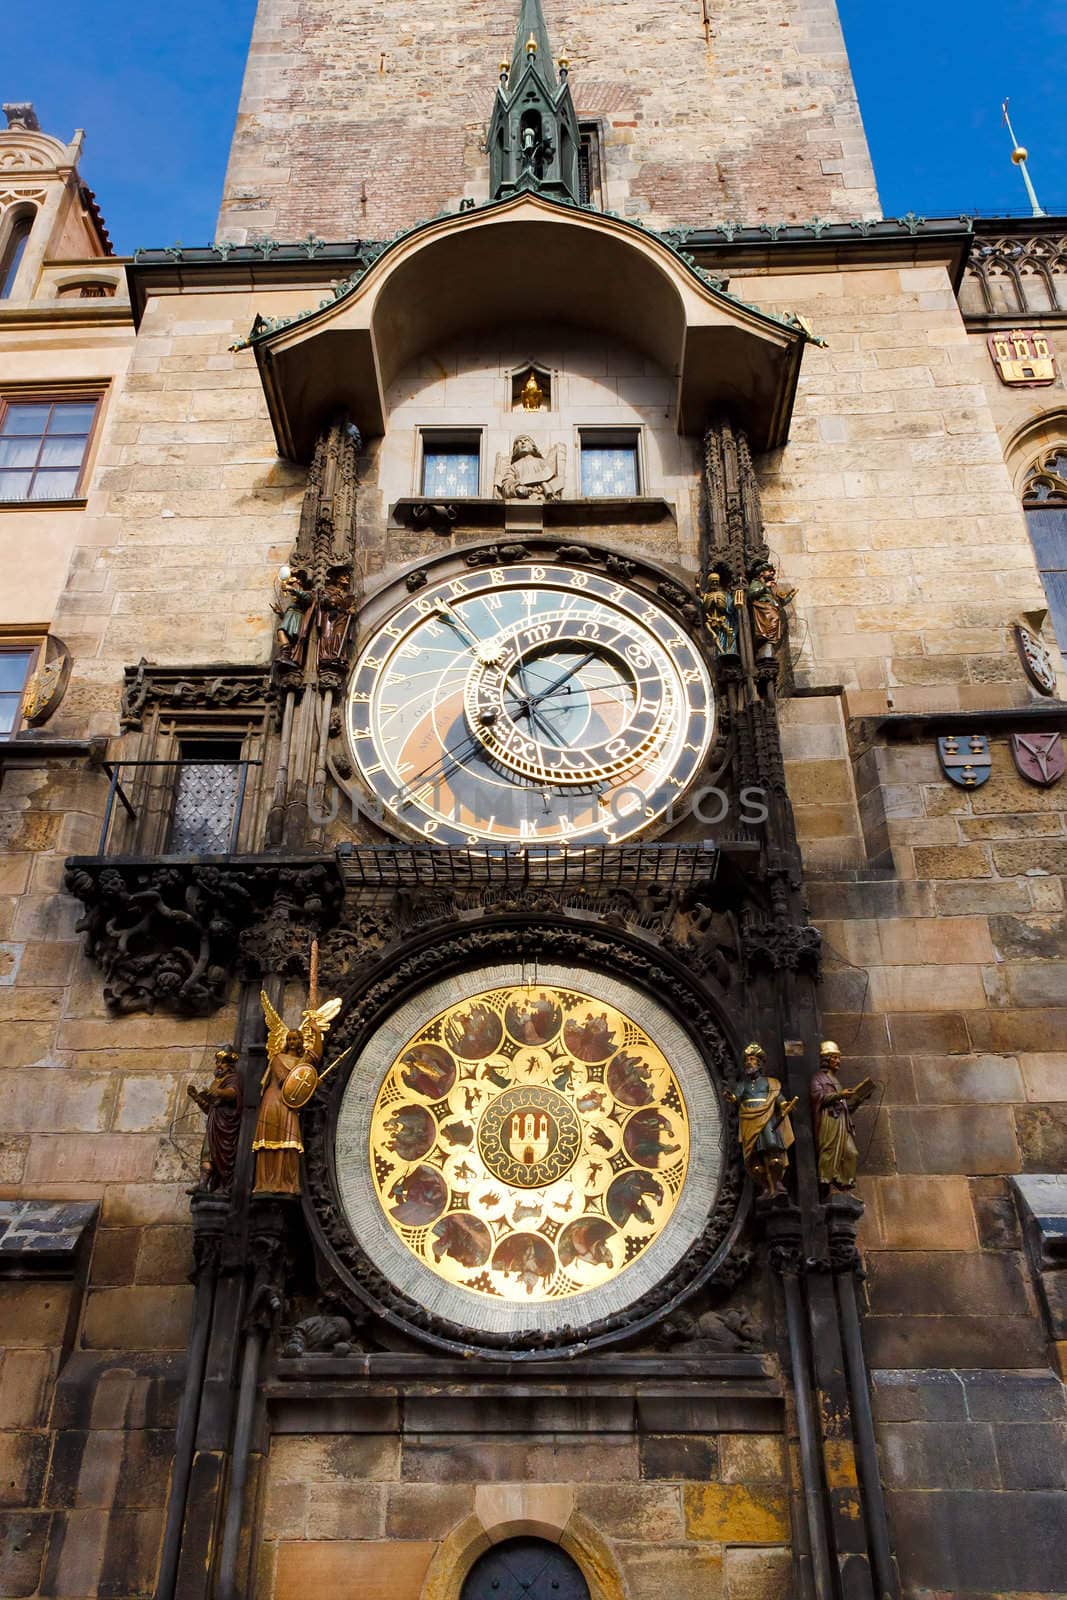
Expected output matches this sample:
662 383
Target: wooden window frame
59 394
19 640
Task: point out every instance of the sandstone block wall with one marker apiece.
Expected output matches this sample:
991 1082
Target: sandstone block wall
399 1516
358 119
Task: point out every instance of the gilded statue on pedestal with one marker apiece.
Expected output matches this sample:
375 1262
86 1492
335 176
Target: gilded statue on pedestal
291 1078
835 1131
766 1131
222 1102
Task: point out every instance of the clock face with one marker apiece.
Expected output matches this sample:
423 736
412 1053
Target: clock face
517 1154
529 703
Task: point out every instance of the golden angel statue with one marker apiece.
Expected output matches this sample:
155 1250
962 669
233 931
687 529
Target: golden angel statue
294 1056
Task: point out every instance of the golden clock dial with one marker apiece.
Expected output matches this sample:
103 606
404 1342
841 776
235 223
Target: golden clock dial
529 1143
529 703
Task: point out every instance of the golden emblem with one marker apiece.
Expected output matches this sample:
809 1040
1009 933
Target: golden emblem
529 1143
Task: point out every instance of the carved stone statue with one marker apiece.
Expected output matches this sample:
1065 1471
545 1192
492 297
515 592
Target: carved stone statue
766 1131
291 1078
292 607
334 615
835 1131
530 474
720 614
768 600
222 1102
321 1334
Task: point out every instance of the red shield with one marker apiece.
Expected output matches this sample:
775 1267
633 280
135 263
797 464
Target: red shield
1040 757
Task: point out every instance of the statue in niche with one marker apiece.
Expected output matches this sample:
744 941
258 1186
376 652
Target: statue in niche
720 614
292 607
768 600
529 473
766 1131
222 1103
334 608
835 1132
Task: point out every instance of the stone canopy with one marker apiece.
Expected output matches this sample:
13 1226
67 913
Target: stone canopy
516 263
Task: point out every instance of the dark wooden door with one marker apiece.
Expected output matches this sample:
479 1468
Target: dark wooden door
525 1569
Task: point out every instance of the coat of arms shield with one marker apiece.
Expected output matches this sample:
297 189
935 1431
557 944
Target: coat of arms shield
966 760
1040 757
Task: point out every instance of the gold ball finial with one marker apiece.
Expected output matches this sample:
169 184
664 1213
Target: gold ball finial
564 62
531 46
1020 154
505 68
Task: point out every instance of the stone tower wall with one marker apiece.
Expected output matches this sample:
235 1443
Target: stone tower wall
358 119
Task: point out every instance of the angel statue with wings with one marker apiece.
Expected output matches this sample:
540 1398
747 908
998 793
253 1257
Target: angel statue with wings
291 1078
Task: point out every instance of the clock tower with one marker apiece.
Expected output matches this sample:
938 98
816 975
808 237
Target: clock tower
547 640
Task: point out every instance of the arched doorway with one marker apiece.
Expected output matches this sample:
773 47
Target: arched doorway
525 1569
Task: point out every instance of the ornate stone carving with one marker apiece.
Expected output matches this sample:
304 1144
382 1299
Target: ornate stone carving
531 473
46 688
782 946
1020 264
694 1332
148 687
170 937
320 1334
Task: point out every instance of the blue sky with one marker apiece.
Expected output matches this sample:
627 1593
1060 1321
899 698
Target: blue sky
156 91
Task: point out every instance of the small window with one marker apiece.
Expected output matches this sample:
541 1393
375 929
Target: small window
590 189
1045 500
207 795
14 250
15 667
610 464
43 445
451 465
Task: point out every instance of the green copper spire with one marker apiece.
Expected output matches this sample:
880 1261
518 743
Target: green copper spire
533 134
532 26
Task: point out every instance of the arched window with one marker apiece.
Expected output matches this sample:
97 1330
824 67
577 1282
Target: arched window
525 1569
14 249
1045 501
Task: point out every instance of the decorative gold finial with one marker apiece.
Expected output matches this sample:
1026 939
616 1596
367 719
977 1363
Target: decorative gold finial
531 46
1020 154
505 71
533 396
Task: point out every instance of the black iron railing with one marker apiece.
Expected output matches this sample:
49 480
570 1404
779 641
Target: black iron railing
208 816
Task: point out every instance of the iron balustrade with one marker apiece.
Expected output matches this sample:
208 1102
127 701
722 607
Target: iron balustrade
232 801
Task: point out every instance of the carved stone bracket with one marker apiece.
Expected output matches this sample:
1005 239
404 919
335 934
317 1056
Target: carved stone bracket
782 946
170 936
735 541
844 1213
783 1231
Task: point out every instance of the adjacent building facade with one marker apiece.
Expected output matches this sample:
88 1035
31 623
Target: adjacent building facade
532 664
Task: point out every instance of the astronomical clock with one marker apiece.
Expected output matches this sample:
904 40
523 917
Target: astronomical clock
529 703
528 1148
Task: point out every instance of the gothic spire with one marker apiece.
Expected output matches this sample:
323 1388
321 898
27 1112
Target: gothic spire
532 28
533 135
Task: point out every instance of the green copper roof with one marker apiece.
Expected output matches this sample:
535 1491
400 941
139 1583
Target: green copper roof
532 21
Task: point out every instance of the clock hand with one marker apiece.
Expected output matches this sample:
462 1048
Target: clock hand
443 610
552 687
447 764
